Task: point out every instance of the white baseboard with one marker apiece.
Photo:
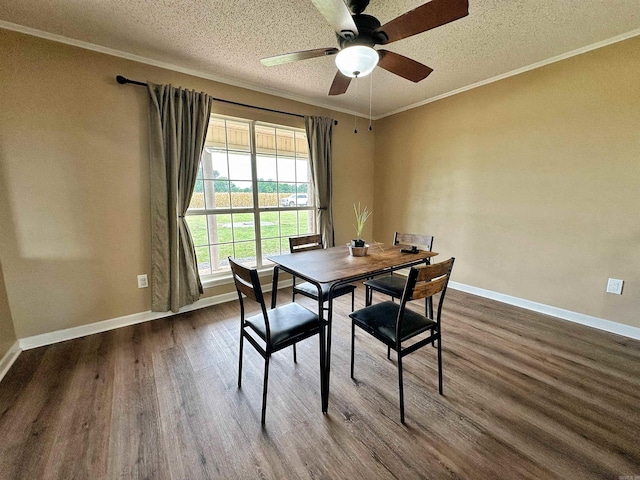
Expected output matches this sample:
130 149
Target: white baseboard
7 360
105 325
594 322
111 324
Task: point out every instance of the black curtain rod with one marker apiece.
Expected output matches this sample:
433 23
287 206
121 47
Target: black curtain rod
123 80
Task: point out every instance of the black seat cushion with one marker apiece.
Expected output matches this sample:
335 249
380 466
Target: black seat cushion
392 285
286 322
380 320
310 290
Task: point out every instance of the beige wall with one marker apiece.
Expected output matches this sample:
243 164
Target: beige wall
7 333
74 179
532 183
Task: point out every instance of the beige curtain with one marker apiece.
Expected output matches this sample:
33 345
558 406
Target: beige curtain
177 131
319 131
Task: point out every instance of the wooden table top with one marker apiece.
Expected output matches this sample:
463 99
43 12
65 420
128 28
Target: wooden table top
336 264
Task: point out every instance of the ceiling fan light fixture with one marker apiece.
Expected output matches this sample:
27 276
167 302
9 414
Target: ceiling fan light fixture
357 60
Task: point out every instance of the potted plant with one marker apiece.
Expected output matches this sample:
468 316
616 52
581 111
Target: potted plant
358 246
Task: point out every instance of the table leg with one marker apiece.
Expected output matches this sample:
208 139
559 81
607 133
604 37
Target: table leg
324 394
274 288
327 374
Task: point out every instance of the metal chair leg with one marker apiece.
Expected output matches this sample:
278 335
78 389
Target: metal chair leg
293 290
264 389
353 300
240 359
353 335
439 364
295 359
388 352
400 388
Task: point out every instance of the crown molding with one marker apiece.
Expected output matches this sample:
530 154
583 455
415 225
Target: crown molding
169 66
533 66
296 98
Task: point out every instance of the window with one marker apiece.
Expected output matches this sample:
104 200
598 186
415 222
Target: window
252 193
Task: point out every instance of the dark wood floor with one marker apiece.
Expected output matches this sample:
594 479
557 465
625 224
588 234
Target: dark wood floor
525 396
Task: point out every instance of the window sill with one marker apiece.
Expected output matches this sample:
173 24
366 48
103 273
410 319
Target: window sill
227 279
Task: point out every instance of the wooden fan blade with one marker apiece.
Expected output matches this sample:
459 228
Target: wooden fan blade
425 17
295 56
403 66
340 84
337 14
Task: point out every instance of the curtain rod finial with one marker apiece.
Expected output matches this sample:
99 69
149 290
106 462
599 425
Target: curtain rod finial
124 80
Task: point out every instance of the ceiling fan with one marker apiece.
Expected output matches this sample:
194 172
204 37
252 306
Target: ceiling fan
358 33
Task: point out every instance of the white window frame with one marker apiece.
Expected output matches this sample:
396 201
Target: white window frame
224 276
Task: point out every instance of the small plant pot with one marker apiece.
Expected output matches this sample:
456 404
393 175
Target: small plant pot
358 251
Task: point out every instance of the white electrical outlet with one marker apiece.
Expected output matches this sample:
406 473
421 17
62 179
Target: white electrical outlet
143 281
614 285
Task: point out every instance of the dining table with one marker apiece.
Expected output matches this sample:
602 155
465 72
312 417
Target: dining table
335 266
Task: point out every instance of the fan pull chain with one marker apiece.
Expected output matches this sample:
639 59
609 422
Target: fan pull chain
355 118
370 96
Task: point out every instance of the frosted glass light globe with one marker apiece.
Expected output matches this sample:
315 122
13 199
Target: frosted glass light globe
357 61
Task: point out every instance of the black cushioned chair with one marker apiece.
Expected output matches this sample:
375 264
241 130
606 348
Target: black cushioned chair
393 285
314 242
269 331
395 325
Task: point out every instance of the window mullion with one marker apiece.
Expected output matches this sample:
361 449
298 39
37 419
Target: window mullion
286 220
254 185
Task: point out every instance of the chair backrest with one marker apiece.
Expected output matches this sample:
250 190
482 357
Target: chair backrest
423 242
247 282
305 242
425 281
431 279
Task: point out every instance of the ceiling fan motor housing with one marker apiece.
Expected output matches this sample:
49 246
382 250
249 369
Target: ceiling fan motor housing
366 35
357 6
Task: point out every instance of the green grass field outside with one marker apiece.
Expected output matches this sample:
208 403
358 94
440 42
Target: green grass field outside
236 236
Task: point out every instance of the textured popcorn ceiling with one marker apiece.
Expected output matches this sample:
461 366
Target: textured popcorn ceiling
225 40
